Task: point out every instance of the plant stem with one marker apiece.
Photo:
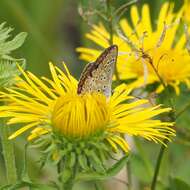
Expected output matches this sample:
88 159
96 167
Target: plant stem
110 26
110 20
8 153
162 149
129 182
157 168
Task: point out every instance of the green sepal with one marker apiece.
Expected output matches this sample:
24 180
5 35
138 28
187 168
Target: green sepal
111 172
72 160
63 152
104 147
95 161
50 148
102 155
83 162
66 175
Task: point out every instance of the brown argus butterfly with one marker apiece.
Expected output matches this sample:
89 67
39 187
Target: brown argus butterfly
97 76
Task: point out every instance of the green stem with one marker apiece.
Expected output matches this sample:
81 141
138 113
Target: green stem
162 149
110 25
110 20
157 168
8 153
129 182
172 118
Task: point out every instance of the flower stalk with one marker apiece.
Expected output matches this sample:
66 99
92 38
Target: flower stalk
157 168
163 147
8 153
110 25
129 177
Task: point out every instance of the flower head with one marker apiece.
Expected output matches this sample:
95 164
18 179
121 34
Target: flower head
186 15
163 45
57 106
74 124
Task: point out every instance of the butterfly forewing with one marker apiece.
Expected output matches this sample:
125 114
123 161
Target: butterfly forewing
97 76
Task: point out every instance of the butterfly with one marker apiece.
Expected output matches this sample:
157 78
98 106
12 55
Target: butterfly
97 76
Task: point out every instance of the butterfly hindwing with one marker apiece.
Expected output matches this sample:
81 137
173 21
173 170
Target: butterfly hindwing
97 76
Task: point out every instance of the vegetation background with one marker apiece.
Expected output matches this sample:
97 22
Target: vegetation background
55 30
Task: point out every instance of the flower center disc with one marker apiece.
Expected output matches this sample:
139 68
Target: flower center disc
79 116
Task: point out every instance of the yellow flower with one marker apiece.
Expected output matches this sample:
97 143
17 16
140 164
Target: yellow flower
163 44
47 106
186 15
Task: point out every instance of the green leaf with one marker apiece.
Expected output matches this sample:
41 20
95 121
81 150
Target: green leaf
6 46
8 65
111 172
4 32
9 71
178 184
14 44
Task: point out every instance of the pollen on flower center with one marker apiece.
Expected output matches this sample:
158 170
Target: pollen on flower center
79 116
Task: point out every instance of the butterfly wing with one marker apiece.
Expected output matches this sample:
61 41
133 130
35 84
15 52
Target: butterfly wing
97 76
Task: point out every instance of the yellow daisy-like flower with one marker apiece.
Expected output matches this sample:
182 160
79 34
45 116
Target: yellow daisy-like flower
47 106
164 46
186 15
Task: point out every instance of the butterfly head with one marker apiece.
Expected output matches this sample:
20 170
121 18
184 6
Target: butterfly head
97 76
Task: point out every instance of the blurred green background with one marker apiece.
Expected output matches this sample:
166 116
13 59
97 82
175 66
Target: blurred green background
55 30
